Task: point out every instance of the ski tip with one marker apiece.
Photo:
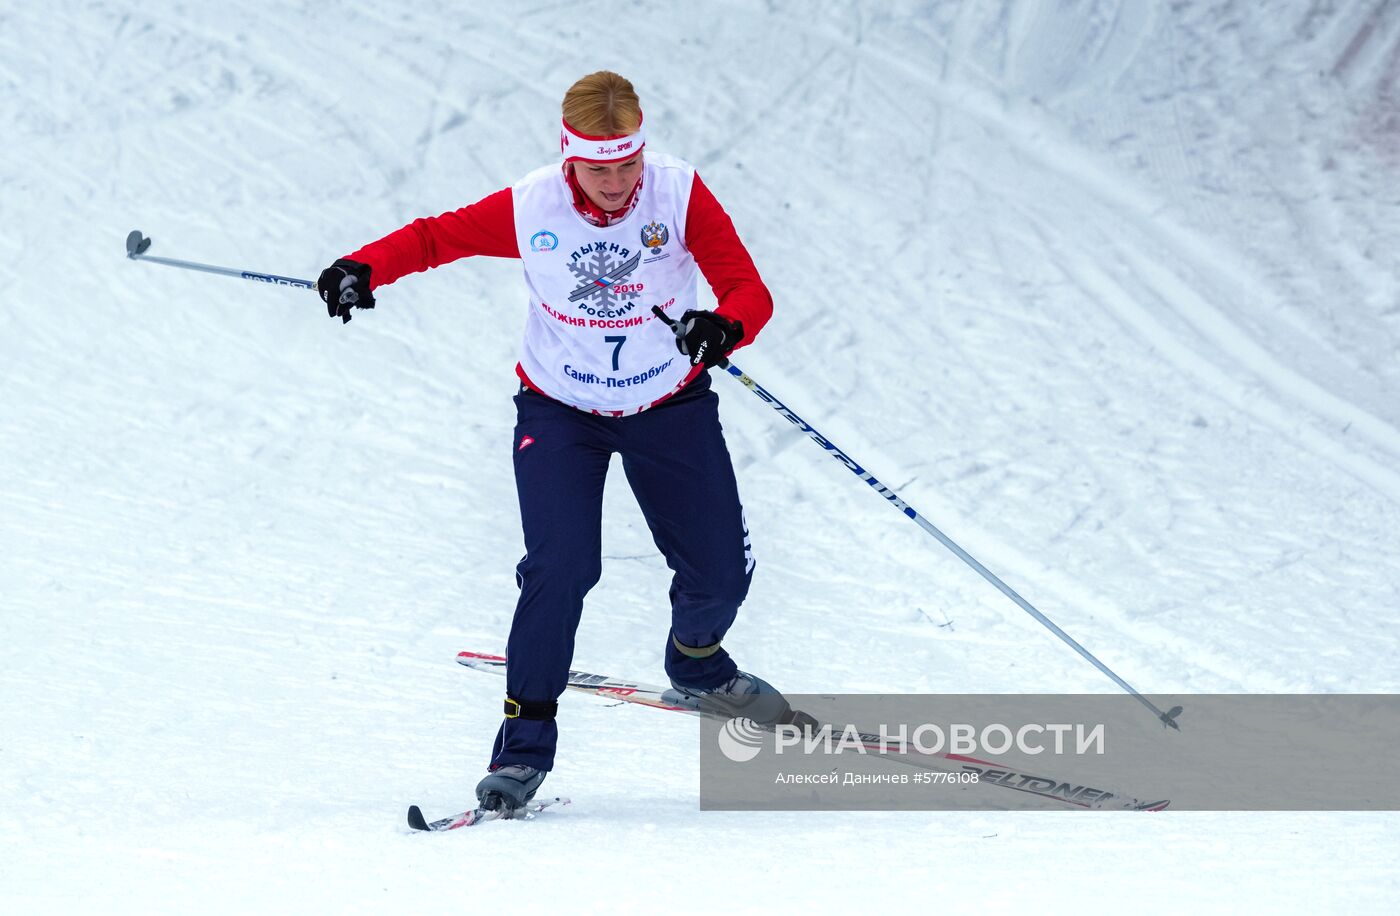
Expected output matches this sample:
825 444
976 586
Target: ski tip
136 243
416 819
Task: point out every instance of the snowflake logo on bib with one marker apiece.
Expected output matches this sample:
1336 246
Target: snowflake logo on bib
601 276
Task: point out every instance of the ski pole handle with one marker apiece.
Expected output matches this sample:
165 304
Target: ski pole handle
679 331
137 245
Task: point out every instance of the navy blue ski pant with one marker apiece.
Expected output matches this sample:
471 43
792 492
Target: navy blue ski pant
678 467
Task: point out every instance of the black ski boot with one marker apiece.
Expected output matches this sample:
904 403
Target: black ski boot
508 788
745 695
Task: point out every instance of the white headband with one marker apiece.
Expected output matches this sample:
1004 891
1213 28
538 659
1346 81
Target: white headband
575 145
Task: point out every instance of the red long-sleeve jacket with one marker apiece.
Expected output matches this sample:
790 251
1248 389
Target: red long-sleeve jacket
487 228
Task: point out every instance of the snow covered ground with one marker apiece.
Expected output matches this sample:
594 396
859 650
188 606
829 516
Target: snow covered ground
1109 290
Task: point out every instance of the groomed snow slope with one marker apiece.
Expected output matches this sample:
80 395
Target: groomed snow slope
1107 290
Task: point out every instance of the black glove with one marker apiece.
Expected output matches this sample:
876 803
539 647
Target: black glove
707 338
345 284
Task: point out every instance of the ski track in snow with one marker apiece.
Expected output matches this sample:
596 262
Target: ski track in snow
1071 192
1106 290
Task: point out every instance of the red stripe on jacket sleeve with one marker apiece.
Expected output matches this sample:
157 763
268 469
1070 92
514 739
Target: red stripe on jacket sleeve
485 228
725 262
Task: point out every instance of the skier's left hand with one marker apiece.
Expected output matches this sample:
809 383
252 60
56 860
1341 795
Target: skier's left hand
707 337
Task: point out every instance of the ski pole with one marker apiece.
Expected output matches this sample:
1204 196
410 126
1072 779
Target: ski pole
137 245
1167 718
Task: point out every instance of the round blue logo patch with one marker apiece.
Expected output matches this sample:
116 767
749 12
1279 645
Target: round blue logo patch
544 241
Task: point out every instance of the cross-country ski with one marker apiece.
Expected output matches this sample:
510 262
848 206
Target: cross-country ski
611 688
476 816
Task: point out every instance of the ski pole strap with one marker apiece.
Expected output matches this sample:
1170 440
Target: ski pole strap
530 710
694 651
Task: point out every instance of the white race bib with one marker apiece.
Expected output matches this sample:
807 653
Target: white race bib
591 340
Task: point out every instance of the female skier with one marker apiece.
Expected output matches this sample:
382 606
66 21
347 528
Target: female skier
613 232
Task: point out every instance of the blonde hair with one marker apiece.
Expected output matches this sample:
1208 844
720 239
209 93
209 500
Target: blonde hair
603 104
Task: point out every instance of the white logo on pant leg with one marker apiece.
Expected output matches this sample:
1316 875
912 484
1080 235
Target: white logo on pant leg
741 739
748 544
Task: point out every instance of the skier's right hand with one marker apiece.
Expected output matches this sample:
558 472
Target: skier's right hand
343 285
